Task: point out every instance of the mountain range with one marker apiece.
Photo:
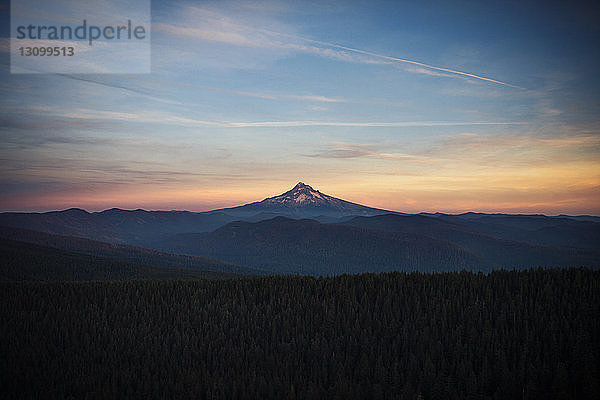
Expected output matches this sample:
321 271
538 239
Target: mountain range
306 231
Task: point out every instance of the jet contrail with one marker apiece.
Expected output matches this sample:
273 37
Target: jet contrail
403 60
452 71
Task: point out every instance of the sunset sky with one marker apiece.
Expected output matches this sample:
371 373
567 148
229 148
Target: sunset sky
408 106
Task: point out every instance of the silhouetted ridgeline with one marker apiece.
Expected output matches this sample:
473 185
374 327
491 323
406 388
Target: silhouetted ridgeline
271 241
510 335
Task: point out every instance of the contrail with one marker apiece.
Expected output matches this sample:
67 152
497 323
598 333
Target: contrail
452 71
97 82
402 60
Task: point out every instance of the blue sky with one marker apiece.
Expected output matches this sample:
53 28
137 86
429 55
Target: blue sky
469 106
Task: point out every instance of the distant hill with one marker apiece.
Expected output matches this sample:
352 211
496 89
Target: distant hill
138 227
124 253
477 237
306 246
23 261
373 244
538 229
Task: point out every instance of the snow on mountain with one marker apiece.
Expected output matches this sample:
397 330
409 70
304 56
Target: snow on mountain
302 201
301 194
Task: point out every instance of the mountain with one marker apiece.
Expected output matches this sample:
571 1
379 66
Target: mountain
124 253
284 245
302 201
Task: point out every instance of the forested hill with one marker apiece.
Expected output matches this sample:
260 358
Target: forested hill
306 246
123 253
506 335
371 244
23 261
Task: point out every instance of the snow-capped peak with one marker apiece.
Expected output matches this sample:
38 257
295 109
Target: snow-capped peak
301 194
303 201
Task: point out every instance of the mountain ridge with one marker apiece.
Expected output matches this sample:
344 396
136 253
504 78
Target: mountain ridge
124 253
302 194
306 231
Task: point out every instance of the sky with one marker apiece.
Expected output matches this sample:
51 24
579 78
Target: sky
407 106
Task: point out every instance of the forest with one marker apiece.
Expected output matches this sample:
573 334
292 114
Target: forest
529 334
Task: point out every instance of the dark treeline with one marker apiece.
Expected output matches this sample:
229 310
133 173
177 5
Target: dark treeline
510 335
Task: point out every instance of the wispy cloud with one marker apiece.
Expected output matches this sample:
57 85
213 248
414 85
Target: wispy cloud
424 71
224 29
261 95
400 124
413 62
344 150
233 38
470 141
166 118
245 36
321 99
514 151
474 151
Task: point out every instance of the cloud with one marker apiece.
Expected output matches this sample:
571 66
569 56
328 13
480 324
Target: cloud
233 38
342 150
420 70
417 63
470 141
468 154
222 28
244 36
261 95
513 151
322 99
21 130
279 124
172 119
101 83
